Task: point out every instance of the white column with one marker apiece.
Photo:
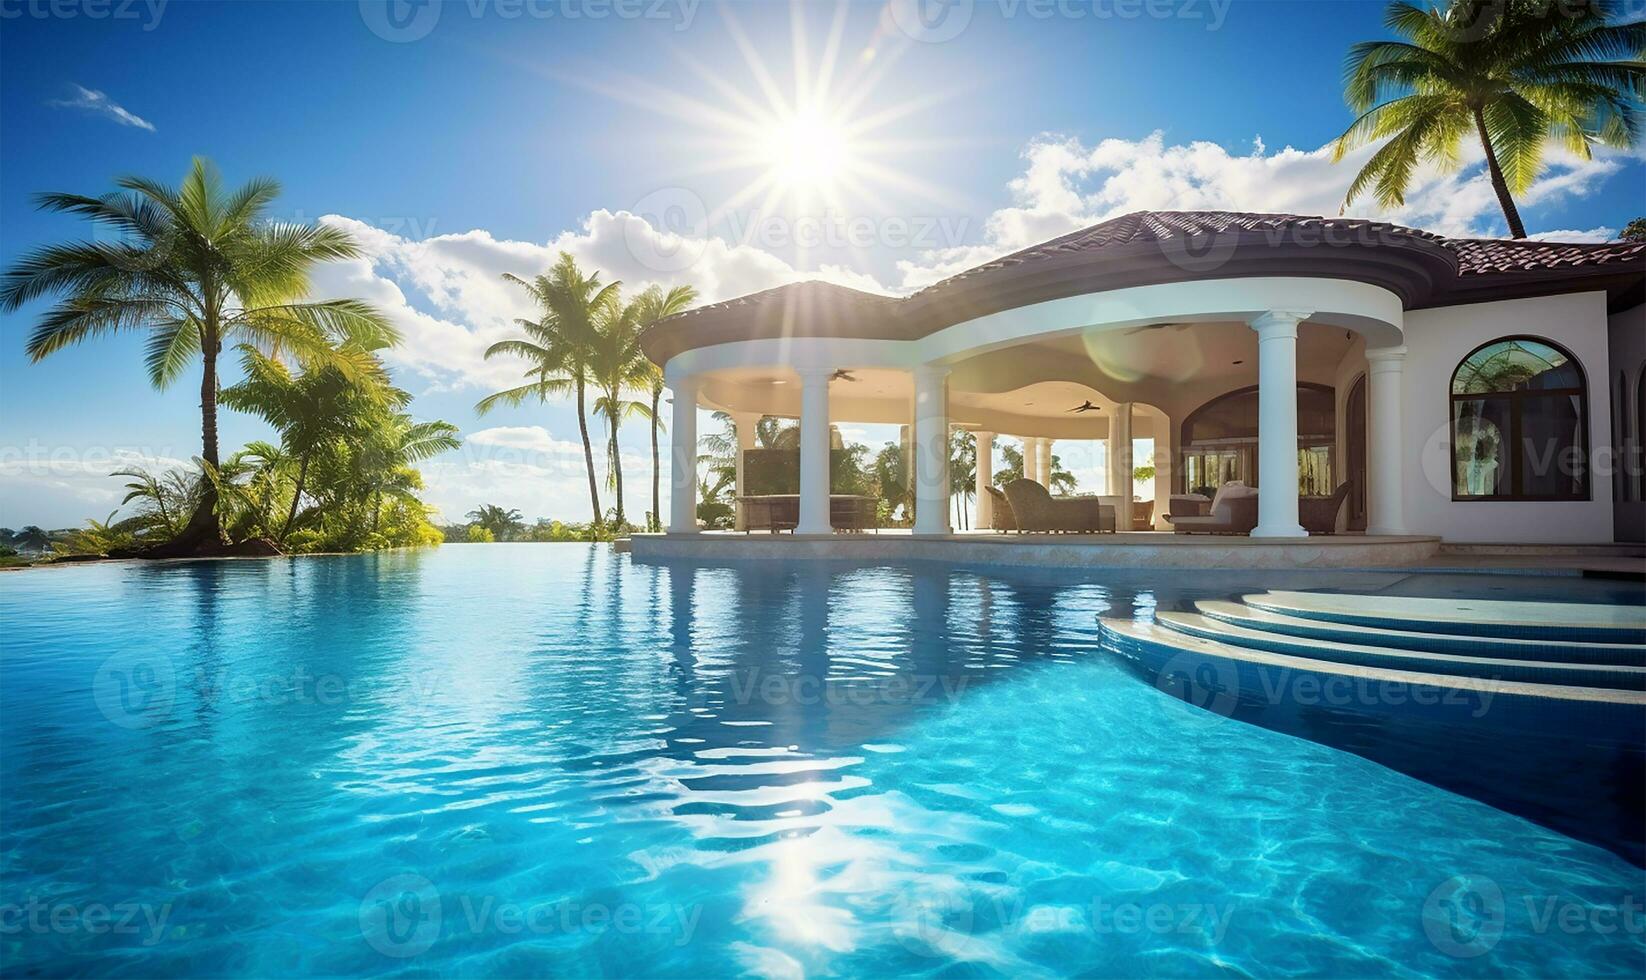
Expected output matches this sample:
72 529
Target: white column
1277 424
814 451
1123 457
985 478
1385 479
1163 459
1111 456
1043 469
743 425
683 458
931 450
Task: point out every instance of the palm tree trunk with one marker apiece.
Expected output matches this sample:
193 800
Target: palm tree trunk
617 472
588 454
204 530
296 495
1499 185
656 523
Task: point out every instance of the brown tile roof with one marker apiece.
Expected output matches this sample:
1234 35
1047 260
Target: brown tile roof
1171 226
1148 247
1482 256
812 295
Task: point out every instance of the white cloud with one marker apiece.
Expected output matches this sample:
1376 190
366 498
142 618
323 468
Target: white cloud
447 295
90 100
1066 185
75 474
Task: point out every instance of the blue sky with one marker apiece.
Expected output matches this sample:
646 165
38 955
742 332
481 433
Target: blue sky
486 135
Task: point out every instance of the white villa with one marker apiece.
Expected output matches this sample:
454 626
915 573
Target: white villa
1461 390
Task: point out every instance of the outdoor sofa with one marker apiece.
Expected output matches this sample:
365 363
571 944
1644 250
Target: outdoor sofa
1033 508
1232 511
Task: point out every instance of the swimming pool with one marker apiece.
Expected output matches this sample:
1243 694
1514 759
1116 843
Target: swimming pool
518 759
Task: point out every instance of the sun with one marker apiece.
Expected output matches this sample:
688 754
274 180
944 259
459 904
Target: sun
812 138
807 151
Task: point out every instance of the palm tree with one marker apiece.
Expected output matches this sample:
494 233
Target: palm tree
1515 72
962 473
310 410
644 310
503 523
558 347
196 266
617 366
380 457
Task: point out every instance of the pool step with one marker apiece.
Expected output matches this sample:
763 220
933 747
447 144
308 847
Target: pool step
1461 644
1553 621
1232 680
1369 654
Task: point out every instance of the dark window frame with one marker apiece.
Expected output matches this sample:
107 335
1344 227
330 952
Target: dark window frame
1513 439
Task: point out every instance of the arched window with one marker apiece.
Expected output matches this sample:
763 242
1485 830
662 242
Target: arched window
1519 423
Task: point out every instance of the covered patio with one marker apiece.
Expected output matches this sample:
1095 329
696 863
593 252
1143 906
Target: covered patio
1266 353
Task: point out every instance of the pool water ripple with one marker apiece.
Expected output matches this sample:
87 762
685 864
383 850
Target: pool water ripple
550 760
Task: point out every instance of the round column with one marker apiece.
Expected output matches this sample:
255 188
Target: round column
1122 457
814 451
1277 424
1385 476
683 457
931 450
985 477
1043 469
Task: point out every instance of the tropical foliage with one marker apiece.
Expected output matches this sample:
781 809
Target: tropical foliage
1515 74
587 339
201 266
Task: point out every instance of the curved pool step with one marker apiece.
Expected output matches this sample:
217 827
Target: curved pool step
1260 685
1461 644
1558 621
1368 655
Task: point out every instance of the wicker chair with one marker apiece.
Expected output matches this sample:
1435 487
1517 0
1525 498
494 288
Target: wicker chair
1318 515
1002 519
1037 510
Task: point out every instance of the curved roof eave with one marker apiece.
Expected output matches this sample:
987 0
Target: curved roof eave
1154 248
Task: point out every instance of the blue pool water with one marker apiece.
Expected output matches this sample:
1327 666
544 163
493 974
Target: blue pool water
526 760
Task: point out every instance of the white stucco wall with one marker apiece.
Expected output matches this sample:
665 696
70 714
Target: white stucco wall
1436 341
1628 353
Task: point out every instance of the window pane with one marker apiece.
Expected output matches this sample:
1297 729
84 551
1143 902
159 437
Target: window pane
1551 459
1515 365
1480 447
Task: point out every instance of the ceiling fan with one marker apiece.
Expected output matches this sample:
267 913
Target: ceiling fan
1157 326
842 375
1087 407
